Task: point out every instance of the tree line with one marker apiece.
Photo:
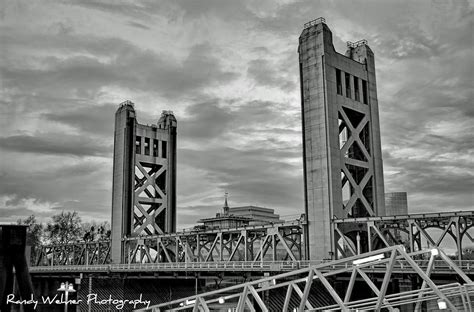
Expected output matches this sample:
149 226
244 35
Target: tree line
63 228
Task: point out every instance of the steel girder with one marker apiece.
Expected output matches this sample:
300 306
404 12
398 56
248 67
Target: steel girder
261 243
297 284
74 254
356 235
274 242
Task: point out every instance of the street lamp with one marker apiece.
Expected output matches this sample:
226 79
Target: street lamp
67 288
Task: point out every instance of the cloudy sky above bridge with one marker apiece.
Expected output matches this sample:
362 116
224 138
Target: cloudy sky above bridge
229 71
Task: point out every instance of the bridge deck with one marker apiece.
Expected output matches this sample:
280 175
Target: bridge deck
267 266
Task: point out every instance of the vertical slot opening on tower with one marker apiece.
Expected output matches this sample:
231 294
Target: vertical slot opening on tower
338 81
138 145
163 149
356 89
155 148
348 85
147 146
364 91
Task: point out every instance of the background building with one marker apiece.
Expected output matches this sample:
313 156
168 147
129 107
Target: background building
258 215
396 203
240 216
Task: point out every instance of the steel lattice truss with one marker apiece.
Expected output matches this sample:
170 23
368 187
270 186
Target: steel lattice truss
150 201
298 284
410 230
270 242
357 168
74 254
277 242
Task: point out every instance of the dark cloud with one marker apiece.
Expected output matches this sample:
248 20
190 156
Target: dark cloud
214 118
205 120
84 186
278 182
138 25
127 66
96 119
267 74
48 143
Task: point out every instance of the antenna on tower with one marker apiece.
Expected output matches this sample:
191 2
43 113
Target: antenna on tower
226 205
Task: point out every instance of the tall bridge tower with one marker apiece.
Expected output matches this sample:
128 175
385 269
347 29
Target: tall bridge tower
144 177
343 171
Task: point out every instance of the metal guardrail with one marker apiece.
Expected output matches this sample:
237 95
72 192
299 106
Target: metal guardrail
319 20
239 266
356 44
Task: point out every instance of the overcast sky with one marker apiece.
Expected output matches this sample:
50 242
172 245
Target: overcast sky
229 71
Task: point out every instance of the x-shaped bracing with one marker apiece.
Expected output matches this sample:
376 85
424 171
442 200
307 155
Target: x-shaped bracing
149 216
354 138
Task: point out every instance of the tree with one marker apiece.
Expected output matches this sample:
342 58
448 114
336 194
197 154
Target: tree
34 234
95 231
467 253
65 228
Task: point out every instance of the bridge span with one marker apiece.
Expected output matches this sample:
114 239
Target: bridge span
270 243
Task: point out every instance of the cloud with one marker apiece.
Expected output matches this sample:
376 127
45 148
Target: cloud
113 62
97 119
228 69
45 143
267 74
49 187
138 25
236 170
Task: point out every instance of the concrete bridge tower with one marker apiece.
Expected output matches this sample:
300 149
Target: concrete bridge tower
144 177
341 138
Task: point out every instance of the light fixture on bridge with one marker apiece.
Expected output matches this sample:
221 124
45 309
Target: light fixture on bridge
434 251
442 304
67 288
221 300
191 301
368 259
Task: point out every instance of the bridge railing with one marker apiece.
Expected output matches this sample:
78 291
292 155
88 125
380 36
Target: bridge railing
248 266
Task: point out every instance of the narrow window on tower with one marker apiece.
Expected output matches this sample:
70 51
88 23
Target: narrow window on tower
348 85
138 145
163 149
364 91
155 148
147 146
356 89
338 81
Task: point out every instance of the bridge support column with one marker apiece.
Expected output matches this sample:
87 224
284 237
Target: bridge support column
342 155
144 178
